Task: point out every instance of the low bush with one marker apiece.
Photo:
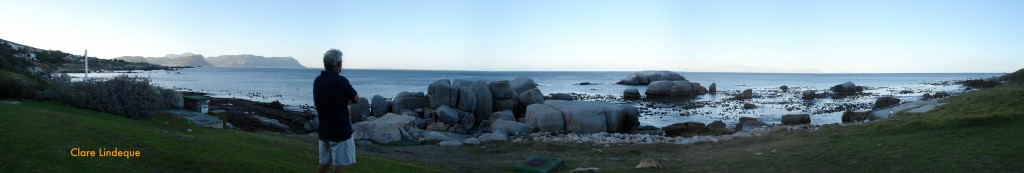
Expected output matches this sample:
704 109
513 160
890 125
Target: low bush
130 96
12 87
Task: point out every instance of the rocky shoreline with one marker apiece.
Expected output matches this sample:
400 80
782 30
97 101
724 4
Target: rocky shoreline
463 112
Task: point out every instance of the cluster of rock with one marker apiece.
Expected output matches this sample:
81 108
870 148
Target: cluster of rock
846 89
649 76
662 84
457 112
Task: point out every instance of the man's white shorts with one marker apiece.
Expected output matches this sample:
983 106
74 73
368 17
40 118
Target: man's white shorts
337 153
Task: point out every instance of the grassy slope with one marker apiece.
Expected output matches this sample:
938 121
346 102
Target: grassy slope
38 136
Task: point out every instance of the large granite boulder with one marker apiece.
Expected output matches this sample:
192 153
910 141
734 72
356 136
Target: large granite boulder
511 127
522 84
503 115
631 117
591 117
686 129
674 89
847 88
882 102
448 115
388 128
409 101
545 118
648 76
505 104
484 101
360 111
501 89
631 94
529 97
467 99
442 92
379 105
796 119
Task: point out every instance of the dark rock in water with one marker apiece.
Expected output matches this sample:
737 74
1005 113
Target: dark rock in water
631 94
906 92
531 96
441 92
882 102
851 116
584 83
846 89
504 104
716 128
501 90
713 89
748 123
809 94
692 106
674 89
784 88
749 106
647 77
409 101
522 84
686 129
379 106
941 94
926 96
796 119
560 96
746 94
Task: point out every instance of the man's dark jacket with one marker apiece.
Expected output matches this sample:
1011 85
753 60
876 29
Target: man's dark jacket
331 96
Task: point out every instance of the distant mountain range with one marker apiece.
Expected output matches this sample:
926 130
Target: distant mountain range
191 59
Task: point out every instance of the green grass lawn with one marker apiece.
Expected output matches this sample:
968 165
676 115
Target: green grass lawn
39 136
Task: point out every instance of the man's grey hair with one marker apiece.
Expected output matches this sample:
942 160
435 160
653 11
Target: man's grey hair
331 58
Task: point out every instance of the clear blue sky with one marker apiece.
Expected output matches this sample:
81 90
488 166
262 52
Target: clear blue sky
766 36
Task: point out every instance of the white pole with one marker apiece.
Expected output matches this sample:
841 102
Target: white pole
86 55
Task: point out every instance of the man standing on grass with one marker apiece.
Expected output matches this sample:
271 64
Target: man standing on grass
332 94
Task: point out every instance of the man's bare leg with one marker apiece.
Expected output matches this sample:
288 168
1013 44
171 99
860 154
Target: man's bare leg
339 169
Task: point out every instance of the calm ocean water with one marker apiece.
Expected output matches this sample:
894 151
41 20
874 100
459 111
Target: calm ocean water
294 86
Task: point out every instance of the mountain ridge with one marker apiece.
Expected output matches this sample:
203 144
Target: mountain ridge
240 60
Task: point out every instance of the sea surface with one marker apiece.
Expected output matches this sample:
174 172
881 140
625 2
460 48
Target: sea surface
293 87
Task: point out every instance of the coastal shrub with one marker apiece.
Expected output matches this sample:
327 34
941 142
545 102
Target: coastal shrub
130 96
12 87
